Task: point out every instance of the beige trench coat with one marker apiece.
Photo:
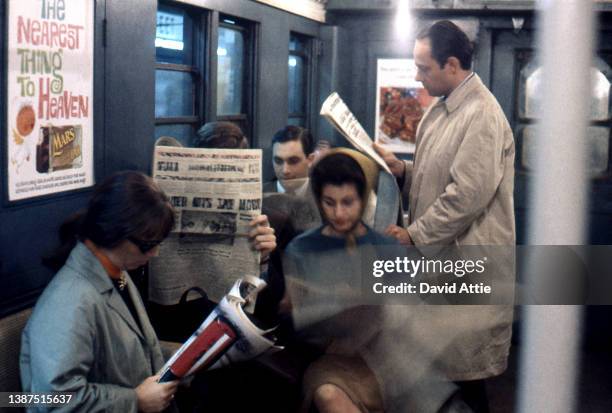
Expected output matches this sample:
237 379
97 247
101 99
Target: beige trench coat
461 192
462 180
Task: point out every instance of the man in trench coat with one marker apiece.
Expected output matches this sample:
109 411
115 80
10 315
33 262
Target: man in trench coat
460 188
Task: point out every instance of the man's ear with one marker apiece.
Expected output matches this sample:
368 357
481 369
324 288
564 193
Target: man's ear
454 64
310 158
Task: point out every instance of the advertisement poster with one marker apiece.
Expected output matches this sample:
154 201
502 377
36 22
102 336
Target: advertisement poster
49 96
400 104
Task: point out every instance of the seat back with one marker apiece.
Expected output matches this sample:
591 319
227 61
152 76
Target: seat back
389 203
10 345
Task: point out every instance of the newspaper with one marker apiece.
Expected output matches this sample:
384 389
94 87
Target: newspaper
226 336
340 116
216 193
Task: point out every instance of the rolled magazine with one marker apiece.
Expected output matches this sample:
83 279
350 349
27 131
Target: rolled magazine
228 335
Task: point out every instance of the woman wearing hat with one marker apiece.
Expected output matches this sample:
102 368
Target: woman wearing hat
324 282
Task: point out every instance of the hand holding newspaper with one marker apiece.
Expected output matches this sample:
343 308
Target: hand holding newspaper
340 116
215 194
226 336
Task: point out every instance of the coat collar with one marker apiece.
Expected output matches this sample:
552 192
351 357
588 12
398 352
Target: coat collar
85 263
458 96
302 190
111 269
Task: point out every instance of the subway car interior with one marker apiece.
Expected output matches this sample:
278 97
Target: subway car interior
105 79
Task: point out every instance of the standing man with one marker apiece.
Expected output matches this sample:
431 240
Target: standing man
462 179
460 189
292 155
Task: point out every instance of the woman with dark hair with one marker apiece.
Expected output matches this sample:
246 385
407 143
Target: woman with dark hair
89 333
324 281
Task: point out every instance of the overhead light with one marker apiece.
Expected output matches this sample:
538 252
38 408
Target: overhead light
169 44
229 21
221 51
292 61
403 20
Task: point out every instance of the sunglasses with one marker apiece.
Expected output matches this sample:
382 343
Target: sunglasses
145 246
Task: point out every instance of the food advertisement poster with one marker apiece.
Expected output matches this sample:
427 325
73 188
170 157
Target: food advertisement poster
49 96
400 104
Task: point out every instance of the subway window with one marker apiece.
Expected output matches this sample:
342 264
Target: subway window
299 85
177 73
235 72
529 109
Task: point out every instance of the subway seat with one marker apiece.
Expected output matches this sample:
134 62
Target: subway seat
10 343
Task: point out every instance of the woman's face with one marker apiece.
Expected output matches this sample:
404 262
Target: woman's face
128 256
341 206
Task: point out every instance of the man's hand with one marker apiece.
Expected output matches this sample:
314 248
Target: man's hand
153 396
400 234
262 235
398 167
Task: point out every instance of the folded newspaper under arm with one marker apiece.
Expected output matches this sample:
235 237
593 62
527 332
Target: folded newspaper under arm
226 336
340 116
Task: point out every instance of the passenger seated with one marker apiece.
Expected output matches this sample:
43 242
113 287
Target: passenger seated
292 156
89 333
323 269
222 135
212 389
227 135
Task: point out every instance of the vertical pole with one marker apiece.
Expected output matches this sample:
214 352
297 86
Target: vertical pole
559 199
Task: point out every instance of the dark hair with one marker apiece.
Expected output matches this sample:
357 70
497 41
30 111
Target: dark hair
293 133
447 40
220 135
337 169
126 204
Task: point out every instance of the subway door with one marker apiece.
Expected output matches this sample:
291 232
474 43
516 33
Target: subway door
515 81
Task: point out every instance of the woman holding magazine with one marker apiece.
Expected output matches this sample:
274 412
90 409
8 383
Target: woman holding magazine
324 284
89 333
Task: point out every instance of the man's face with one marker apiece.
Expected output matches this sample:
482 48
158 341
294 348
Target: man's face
290 163
435 80
341 207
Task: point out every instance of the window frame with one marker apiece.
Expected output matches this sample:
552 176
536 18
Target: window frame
245 119
307 56
523 57
197 45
